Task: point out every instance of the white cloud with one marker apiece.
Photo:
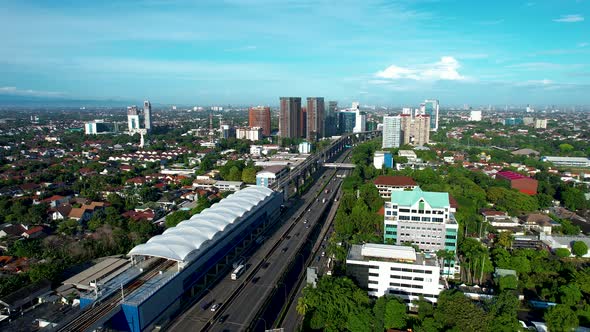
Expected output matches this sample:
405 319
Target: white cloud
445 69
584 44
569 18
12 90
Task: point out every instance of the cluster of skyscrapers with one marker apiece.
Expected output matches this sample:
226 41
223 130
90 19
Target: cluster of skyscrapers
315 121
411 126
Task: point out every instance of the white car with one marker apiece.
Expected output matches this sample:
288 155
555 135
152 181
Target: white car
215 306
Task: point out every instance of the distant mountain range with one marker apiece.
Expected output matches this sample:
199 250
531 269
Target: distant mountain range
32 101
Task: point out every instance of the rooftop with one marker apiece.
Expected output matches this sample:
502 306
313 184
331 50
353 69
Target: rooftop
408 198
273 169
510 175
389 253
397 180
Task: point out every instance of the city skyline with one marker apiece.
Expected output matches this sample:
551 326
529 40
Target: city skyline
384 53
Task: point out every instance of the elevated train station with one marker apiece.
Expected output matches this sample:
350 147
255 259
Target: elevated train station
170 269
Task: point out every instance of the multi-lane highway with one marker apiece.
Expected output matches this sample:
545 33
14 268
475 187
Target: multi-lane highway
242 303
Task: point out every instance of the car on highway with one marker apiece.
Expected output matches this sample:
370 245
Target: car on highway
215 306
285 249
255 280
222 319
305 221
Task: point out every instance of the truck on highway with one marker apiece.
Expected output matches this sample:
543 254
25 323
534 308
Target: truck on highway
323 200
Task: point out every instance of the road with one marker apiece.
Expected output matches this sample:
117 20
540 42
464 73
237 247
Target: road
239 299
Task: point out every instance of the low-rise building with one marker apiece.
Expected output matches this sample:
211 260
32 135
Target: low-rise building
409 154
229 185
524 184
383 159
567 161
304 147
397 270
270 175
387 183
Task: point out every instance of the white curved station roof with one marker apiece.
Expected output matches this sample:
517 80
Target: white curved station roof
198 232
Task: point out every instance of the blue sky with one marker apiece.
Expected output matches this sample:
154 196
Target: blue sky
252 52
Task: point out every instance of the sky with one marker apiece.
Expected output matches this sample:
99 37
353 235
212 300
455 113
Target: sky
251 52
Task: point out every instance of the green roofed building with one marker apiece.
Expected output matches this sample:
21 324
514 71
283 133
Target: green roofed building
424 219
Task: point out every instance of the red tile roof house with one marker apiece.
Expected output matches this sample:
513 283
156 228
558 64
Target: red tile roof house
36 232
522 183
386 184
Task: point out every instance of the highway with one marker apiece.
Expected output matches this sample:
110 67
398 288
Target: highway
240 300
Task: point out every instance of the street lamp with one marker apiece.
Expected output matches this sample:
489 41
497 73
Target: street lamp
260 318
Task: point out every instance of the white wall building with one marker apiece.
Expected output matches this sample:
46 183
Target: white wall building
229 185
360 122
304 147
251 134
567 161
391 131
256 150
541 123
397 270
475 116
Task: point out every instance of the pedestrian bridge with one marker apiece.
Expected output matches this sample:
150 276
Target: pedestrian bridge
339 165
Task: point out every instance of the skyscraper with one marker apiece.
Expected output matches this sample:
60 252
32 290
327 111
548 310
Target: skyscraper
415 131
431 108
315 118
347 121
290 117
391 131
147 115
303 122
331 122
260 117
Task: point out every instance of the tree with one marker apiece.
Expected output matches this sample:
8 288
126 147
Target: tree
175 218
505 239
395 314
570 294
573 199
562 252
579 248
332 303
456 310
560 318
508 282
249 175
565 148
234 174
503 310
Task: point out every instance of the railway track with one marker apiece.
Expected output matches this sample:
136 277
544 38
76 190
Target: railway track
90 316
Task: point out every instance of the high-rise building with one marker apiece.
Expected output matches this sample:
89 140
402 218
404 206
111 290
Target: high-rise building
425 219
331 122
227 131
415 131
290 117
360 122
422 130
431 108
147 115
303 122
98 127
383 159
133 118
347 121
260 117
391 131
315 118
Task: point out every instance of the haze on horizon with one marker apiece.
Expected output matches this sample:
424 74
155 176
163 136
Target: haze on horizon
252 52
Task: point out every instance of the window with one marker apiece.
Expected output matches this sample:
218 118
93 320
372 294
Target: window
373 274
404 210
426 219
404 218
415 218
437 219
372 281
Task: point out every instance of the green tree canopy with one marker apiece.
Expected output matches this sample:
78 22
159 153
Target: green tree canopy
560 318
579 248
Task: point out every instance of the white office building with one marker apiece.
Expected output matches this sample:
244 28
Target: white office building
229 185
304 147
252 134
396 270
391 131
360 122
